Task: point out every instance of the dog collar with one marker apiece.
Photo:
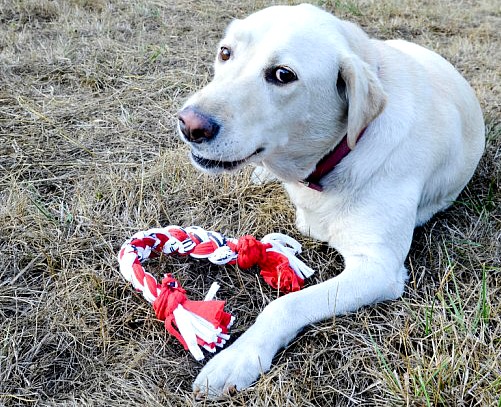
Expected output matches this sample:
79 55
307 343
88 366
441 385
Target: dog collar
328 163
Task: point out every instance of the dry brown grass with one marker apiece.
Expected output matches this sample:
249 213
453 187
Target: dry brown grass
89 155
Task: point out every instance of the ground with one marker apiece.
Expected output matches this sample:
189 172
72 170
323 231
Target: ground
89 154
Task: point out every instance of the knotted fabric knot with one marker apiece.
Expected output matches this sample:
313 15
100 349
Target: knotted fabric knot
250 251
171 295
274 265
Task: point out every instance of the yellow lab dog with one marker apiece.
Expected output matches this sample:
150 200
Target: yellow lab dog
370 138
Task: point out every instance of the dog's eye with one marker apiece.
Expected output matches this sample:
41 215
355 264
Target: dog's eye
224 53
285 75
281 75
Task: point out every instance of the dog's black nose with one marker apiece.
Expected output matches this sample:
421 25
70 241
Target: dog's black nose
196 126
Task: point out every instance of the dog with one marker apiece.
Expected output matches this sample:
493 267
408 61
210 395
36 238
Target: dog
370 139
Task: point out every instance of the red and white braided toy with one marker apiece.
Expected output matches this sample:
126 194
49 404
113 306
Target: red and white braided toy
205 323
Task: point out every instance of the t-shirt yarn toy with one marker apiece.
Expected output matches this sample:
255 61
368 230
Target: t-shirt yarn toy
205 324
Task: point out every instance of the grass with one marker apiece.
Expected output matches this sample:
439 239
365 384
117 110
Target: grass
89 155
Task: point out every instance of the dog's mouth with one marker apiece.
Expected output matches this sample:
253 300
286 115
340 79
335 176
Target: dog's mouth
208 164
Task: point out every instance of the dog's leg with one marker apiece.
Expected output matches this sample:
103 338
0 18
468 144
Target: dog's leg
373 237
365 280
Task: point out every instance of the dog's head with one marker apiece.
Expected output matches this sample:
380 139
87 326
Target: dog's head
289 83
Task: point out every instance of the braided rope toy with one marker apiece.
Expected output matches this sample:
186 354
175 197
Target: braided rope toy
205 323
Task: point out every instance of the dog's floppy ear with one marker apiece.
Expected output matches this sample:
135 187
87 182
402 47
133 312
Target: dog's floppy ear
366 97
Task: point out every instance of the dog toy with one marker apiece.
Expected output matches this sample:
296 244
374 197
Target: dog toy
199 323
205 323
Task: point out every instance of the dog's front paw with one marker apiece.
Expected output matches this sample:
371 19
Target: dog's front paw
235 368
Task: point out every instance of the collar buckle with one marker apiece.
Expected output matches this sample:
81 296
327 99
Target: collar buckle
312 185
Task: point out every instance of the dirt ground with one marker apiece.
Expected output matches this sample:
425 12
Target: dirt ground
89 154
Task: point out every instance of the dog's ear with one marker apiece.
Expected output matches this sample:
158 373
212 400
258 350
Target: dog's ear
366 97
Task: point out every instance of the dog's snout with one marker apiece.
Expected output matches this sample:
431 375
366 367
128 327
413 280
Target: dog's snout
196 126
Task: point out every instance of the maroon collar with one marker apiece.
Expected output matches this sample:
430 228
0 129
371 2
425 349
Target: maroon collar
328 163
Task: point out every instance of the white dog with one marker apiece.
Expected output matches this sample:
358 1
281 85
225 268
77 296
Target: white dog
294 90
